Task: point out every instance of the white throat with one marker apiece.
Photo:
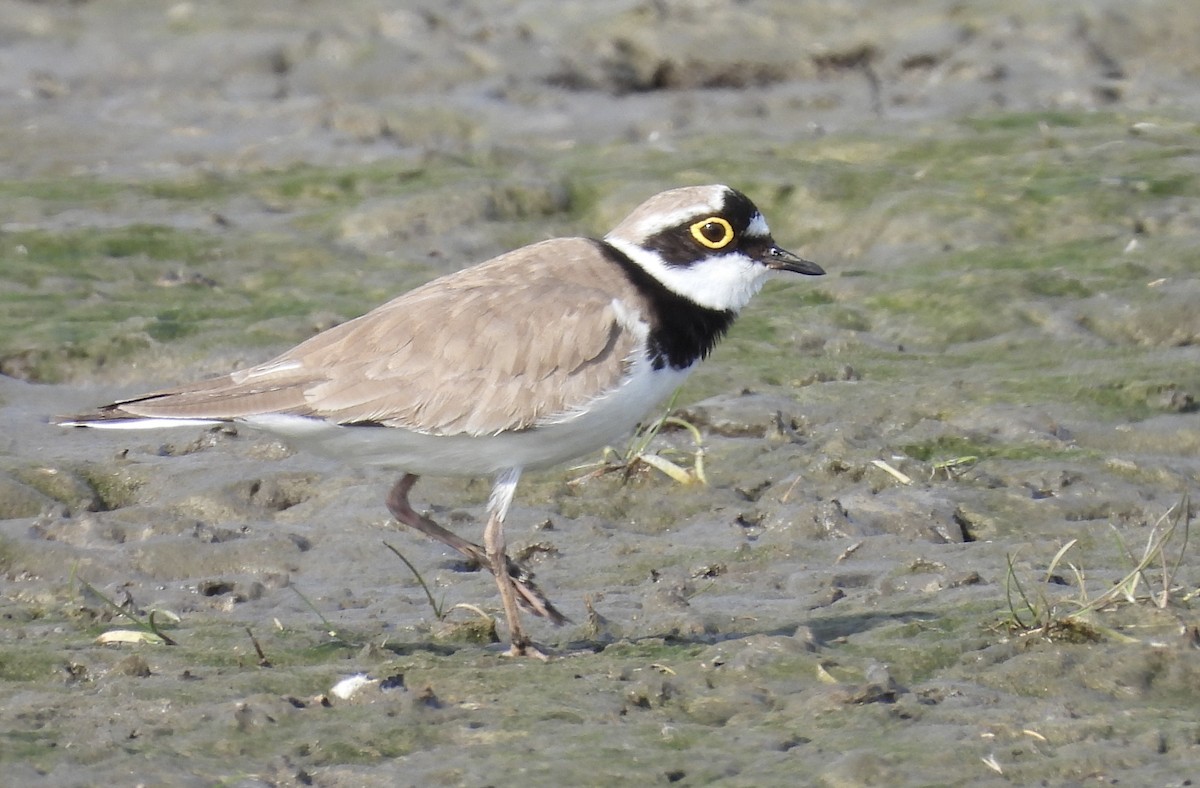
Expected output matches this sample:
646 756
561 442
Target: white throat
722 282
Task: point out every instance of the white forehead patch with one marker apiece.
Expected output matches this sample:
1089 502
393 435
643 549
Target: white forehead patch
758 227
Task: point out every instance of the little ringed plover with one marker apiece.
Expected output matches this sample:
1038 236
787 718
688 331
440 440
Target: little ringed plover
534 357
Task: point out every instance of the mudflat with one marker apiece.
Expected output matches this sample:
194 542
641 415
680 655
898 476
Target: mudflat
944 534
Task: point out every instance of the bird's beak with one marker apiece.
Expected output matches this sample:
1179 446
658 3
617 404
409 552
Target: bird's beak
782 260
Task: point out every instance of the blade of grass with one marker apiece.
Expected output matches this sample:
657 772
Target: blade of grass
324 621
147 626
437 609
1011 581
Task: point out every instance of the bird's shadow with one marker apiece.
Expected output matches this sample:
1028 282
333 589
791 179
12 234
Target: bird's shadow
822 632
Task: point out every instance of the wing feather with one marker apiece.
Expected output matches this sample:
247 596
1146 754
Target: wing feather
501 346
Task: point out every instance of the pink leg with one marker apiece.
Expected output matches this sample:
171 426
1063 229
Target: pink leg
519 582
493 540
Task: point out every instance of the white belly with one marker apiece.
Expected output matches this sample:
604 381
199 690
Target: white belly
605 420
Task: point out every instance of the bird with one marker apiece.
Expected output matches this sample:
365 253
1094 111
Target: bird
532 358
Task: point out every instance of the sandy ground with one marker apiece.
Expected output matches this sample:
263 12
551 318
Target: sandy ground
1000 365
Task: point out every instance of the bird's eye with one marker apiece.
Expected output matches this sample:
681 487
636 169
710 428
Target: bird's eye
713 232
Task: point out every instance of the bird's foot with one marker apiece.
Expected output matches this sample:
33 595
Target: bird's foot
531 597
526 648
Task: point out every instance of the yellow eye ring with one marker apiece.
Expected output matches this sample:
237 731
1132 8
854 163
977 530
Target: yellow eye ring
713 232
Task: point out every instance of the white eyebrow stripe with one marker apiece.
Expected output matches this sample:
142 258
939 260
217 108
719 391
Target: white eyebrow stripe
653 224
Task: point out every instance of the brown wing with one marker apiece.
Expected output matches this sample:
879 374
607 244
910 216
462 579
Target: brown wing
497 347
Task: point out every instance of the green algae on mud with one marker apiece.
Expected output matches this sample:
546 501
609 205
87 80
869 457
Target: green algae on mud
1046 202
1012 285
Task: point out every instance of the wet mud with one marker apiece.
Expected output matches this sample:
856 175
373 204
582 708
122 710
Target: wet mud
944 535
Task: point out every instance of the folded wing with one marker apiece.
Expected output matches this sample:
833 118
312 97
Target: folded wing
498 347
